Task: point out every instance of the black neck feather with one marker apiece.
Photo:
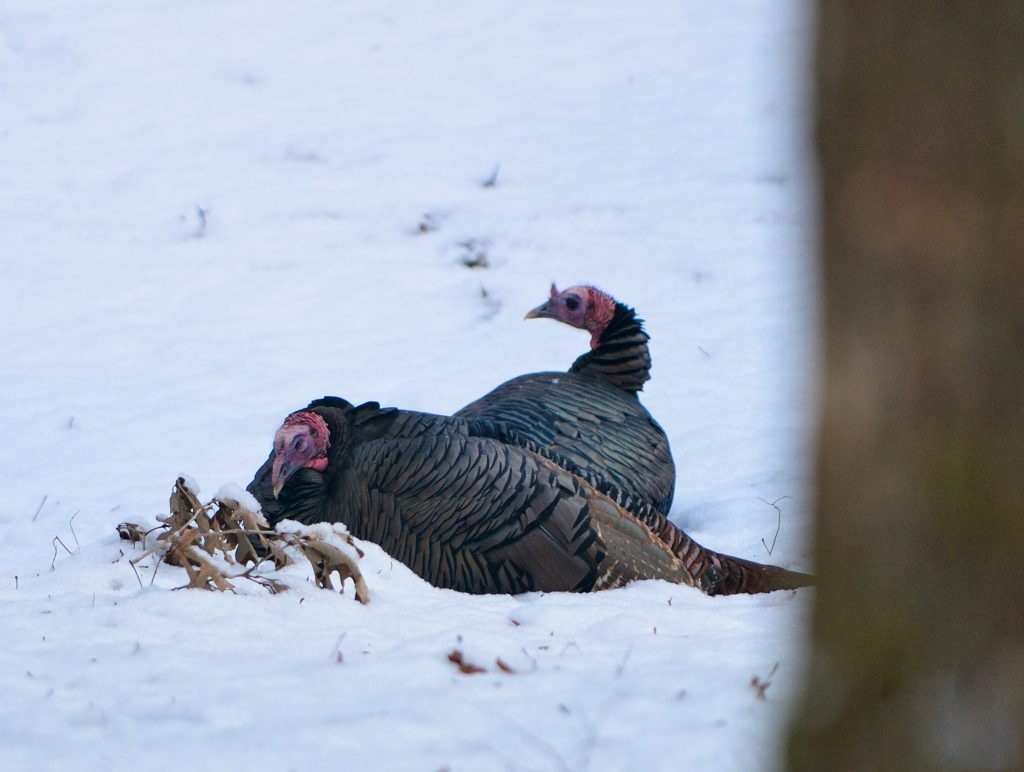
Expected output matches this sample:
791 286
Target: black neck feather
621 356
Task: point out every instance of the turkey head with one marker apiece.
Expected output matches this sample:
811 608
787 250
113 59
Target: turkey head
302 442
586 308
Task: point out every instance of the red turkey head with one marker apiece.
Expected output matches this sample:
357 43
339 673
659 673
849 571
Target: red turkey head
302 441
586 308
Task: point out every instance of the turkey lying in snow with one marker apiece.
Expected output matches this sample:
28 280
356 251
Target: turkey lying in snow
592 414
469 510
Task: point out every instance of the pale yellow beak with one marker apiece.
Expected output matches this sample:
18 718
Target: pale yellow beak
543 311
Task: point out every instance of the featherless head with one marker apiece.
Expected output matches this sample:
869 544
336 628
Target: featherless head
302 441
583 307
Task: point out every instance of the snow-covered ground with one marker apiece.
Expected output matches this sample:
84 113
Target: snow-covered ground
212 212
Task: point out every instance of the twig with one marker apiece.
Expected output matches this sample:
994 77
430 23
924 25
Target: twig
491 181
542 745
72 527
156 568
625 658
778 525
141 585
338 656
156 546
533 660
55 542
759 685
201 229
39 509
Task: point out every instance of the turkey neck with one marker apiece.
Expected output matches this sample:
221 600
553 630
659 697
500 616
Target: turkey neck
621 357
348 425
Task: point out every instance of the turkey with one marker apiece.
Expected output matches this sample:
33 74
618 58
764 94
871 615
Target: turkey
592 414
468 509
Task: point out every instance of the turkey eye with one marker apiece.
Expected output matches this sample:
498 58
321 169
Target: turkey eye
300 443
572 302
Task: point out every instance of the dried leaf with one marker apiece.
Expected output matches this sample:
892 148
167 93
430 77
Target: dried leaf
193 536
183 505
281 557
131 532
456 657
201 571
328 559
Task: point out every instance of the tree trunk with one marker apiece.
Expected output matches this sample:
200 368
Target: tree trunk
917 658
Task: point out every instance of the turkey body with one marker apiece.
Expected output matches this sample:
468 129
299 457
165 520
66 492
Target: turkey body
465 510
470 505
592 414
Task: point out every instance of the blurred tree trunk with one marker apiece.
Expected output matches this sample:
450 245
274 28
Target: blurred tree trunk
918 638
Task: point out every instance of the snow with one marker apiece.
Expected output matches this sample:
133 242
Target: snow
239 495
215 212
193 486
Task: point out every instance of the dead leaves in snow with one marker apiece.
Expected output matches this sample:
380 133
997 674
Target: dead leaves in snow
457 658
201 537
327 559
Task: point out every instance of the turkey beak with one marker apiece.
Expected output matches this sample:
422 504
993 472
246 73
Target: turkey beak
280 473
543 311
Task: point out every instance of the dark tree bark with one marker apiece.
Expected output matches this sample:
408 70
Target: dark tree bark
918 638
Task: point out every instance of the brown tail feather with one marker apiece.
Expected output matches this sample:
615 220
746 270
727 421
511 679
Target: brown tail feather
718 574
728 575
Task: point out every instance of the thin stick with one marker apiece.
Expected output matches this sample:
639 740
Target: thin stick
39 509
71 525
778 525
156 568
55 542
154 548
141 585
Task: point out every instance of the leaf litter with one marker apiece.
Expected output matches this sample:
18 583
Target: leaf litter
224 541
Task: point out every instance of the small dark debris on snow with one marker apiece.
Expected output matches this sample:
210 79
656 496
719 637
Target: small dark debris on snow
492 305
492 180
761 686
456 657
475 253
428 223
200 229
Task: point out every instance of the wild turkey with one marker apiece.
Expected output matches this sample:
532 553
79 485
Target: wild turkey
466 509
592 414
